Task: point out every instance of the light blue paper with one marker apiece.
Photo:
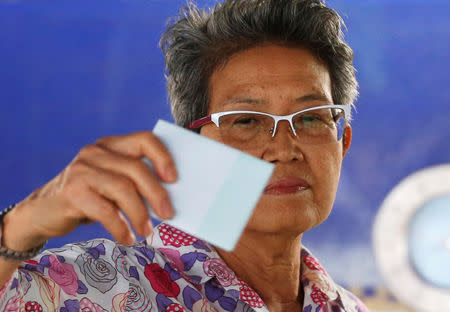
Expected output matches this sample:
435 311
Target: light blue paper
217 188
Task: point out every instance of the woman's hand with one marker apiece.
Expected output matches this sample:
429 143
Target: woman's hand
103 183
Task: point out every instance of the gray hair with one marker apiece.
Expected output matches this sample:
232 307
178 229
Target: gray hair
198 41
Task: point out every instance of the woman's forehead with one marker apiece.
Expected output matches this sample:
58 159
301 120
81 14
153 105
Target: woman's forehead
264 75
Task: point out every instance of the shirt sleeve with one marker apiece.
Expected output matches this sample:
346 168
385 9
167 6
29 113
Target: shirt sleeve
351 300
77 276
361 307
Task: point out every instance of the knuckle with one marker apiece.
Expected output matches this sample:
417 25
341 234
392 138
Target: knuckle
157 192
103 140
146 135
78 171
155 144
89 150
123 184
77 166
138 166
73 189
72 175
161 197
150 139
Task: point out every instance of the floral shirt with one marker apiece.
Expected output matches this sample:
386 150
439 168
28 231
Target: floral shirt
171 271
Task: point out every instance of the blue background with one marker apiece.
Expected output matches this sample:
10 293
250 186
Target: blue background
74 71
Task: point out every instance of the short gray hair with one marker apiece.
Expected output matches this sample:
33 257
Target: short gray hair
198 41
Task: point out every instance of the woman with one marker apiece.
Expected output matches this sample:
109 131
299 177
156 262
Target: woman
247 61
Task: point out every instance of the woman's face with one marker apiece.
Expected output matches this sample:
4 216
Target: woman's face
281 80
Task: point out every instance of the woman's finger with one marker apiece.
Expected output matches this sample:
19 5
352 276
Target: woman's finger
122 192
97 208
137 171
144 144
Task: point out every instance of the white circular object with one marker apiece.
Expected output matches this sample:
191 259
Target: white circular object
411 238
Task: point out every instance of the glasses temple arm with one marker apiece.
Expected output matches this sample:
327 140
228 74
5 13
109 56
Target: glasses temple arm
199 123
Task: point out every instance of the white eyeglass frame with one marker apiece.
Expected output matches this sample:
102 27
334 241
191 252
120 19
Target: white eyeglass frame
214 118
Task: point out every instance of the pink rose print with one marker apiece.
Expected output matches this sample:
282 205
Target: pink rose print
216 267
318 296
249 296
14 303
173 236
86 305
33 306
174 257
64 275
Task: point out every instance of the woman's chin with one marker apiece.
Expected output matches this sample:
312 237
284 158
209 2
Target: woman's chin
286 214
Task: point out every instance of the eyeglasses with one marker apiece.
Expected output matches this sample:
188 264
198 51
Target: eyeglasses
248 129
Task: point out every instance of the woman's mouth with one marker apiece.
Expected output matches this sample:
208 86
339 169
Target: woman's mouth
289 185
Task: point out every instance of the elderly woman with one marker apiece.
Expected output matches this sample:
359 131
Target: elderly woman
253 60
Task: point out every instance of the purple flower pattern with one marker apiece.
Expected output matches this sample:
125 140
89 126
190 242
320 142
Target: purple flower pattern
183 273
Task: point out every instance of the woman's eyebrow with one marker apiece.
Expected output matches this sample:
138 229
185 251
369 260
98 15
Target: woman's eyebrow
312 97
302 99
242 100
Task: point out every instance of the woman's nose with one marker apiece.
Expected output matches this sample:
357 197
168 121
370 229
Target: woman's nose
284 145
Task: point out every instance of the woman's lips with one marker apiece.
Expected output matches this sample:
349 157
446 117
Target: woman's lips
286 186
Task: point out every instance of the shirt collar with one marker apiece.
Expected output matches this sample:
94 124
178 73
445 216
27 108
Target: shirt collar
199 262
186 252
320 290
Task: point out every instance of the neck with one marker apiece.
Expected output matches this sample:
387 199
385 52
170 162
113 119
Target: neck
270 264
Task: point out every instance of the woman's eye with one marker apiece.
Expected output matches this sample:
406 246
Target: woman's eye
311 121
310 118
245 121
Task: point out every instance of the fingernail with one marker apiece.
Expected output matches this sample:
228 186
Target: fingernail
131 239
171 174
167 209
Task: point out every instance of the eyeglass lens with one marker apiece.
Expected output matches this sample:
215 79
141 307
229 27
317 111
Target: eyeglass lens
317 126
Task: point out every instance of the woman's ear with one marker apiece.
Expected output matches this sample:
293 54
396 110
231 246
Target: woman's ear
347 139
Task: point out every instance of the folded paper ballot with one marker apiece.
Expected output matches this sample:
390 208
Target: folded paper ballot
217 187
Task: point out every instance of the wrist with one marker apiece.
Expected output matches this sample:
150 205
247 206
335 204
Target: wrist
15 243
